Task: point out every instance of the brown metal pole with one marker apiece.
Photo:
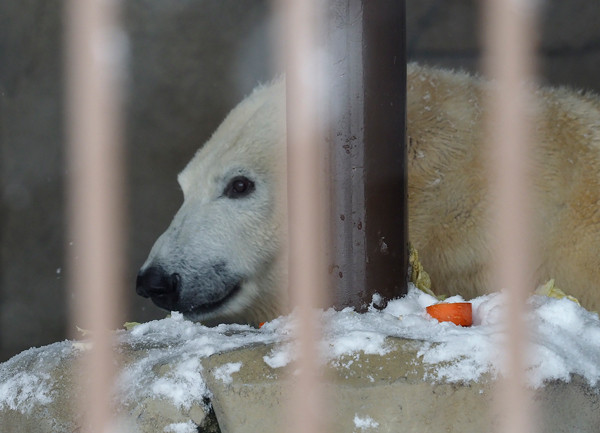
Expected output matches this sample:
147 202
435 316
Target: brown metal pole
363 102
367 56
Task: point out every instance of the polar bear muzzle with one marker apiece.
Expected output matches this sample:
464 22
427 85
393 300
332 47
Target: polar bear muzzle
158 285
196 295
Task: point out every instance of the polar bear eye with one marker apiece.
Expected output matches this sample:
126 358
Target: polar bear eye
239 186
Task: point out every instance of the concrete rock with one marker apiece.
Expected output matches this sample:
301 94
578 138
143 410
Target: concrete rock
42 397
391 391
367 392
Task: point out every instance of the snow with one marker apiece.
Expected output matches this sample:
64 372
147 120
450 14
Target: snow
181 427
565 340
15 391
25 382
224 372
365 422
171 366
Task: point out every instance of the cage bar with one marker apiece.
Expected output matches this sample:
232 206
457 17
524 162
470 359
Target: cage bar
95 188
306 204
510 39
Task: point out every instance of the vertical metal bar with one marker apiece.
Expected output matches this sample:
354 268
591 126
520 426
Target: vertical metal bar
384 60
95 193
306 206
509 37
367 58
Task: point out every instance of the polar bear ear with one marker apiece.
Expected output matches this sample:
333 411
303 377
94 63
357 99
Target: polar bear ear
238 187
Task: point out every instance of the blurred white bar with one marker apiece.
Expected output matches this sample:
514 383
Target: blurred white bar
94 69
510 36
307 213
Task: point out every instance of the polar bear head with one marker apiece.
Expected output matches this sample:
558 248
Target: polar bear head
221 259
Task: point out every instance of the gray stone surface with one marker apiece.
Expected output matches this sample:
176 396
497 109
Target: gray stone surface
48 397
392 390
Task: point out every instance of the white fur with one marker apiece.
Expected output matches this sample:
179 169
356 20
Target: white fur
447 196
246 232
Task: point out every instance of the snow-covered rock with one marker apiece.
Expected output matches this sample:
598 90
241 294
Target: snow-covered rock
398 369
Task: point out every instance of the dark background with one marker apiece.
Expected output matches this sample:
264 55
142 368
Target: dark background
190 62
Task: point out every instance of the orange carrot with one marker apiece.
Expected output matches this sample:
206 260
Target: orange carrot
459 313
260 325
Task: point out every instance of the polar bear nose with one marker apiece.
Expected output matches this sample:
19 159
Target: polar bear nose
158 285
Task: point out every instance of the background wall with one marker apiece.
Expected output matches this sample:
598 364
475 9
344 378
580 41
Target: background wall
190 63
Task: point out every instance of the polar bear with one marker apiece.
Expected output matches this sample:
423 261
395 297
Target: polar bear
221 259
